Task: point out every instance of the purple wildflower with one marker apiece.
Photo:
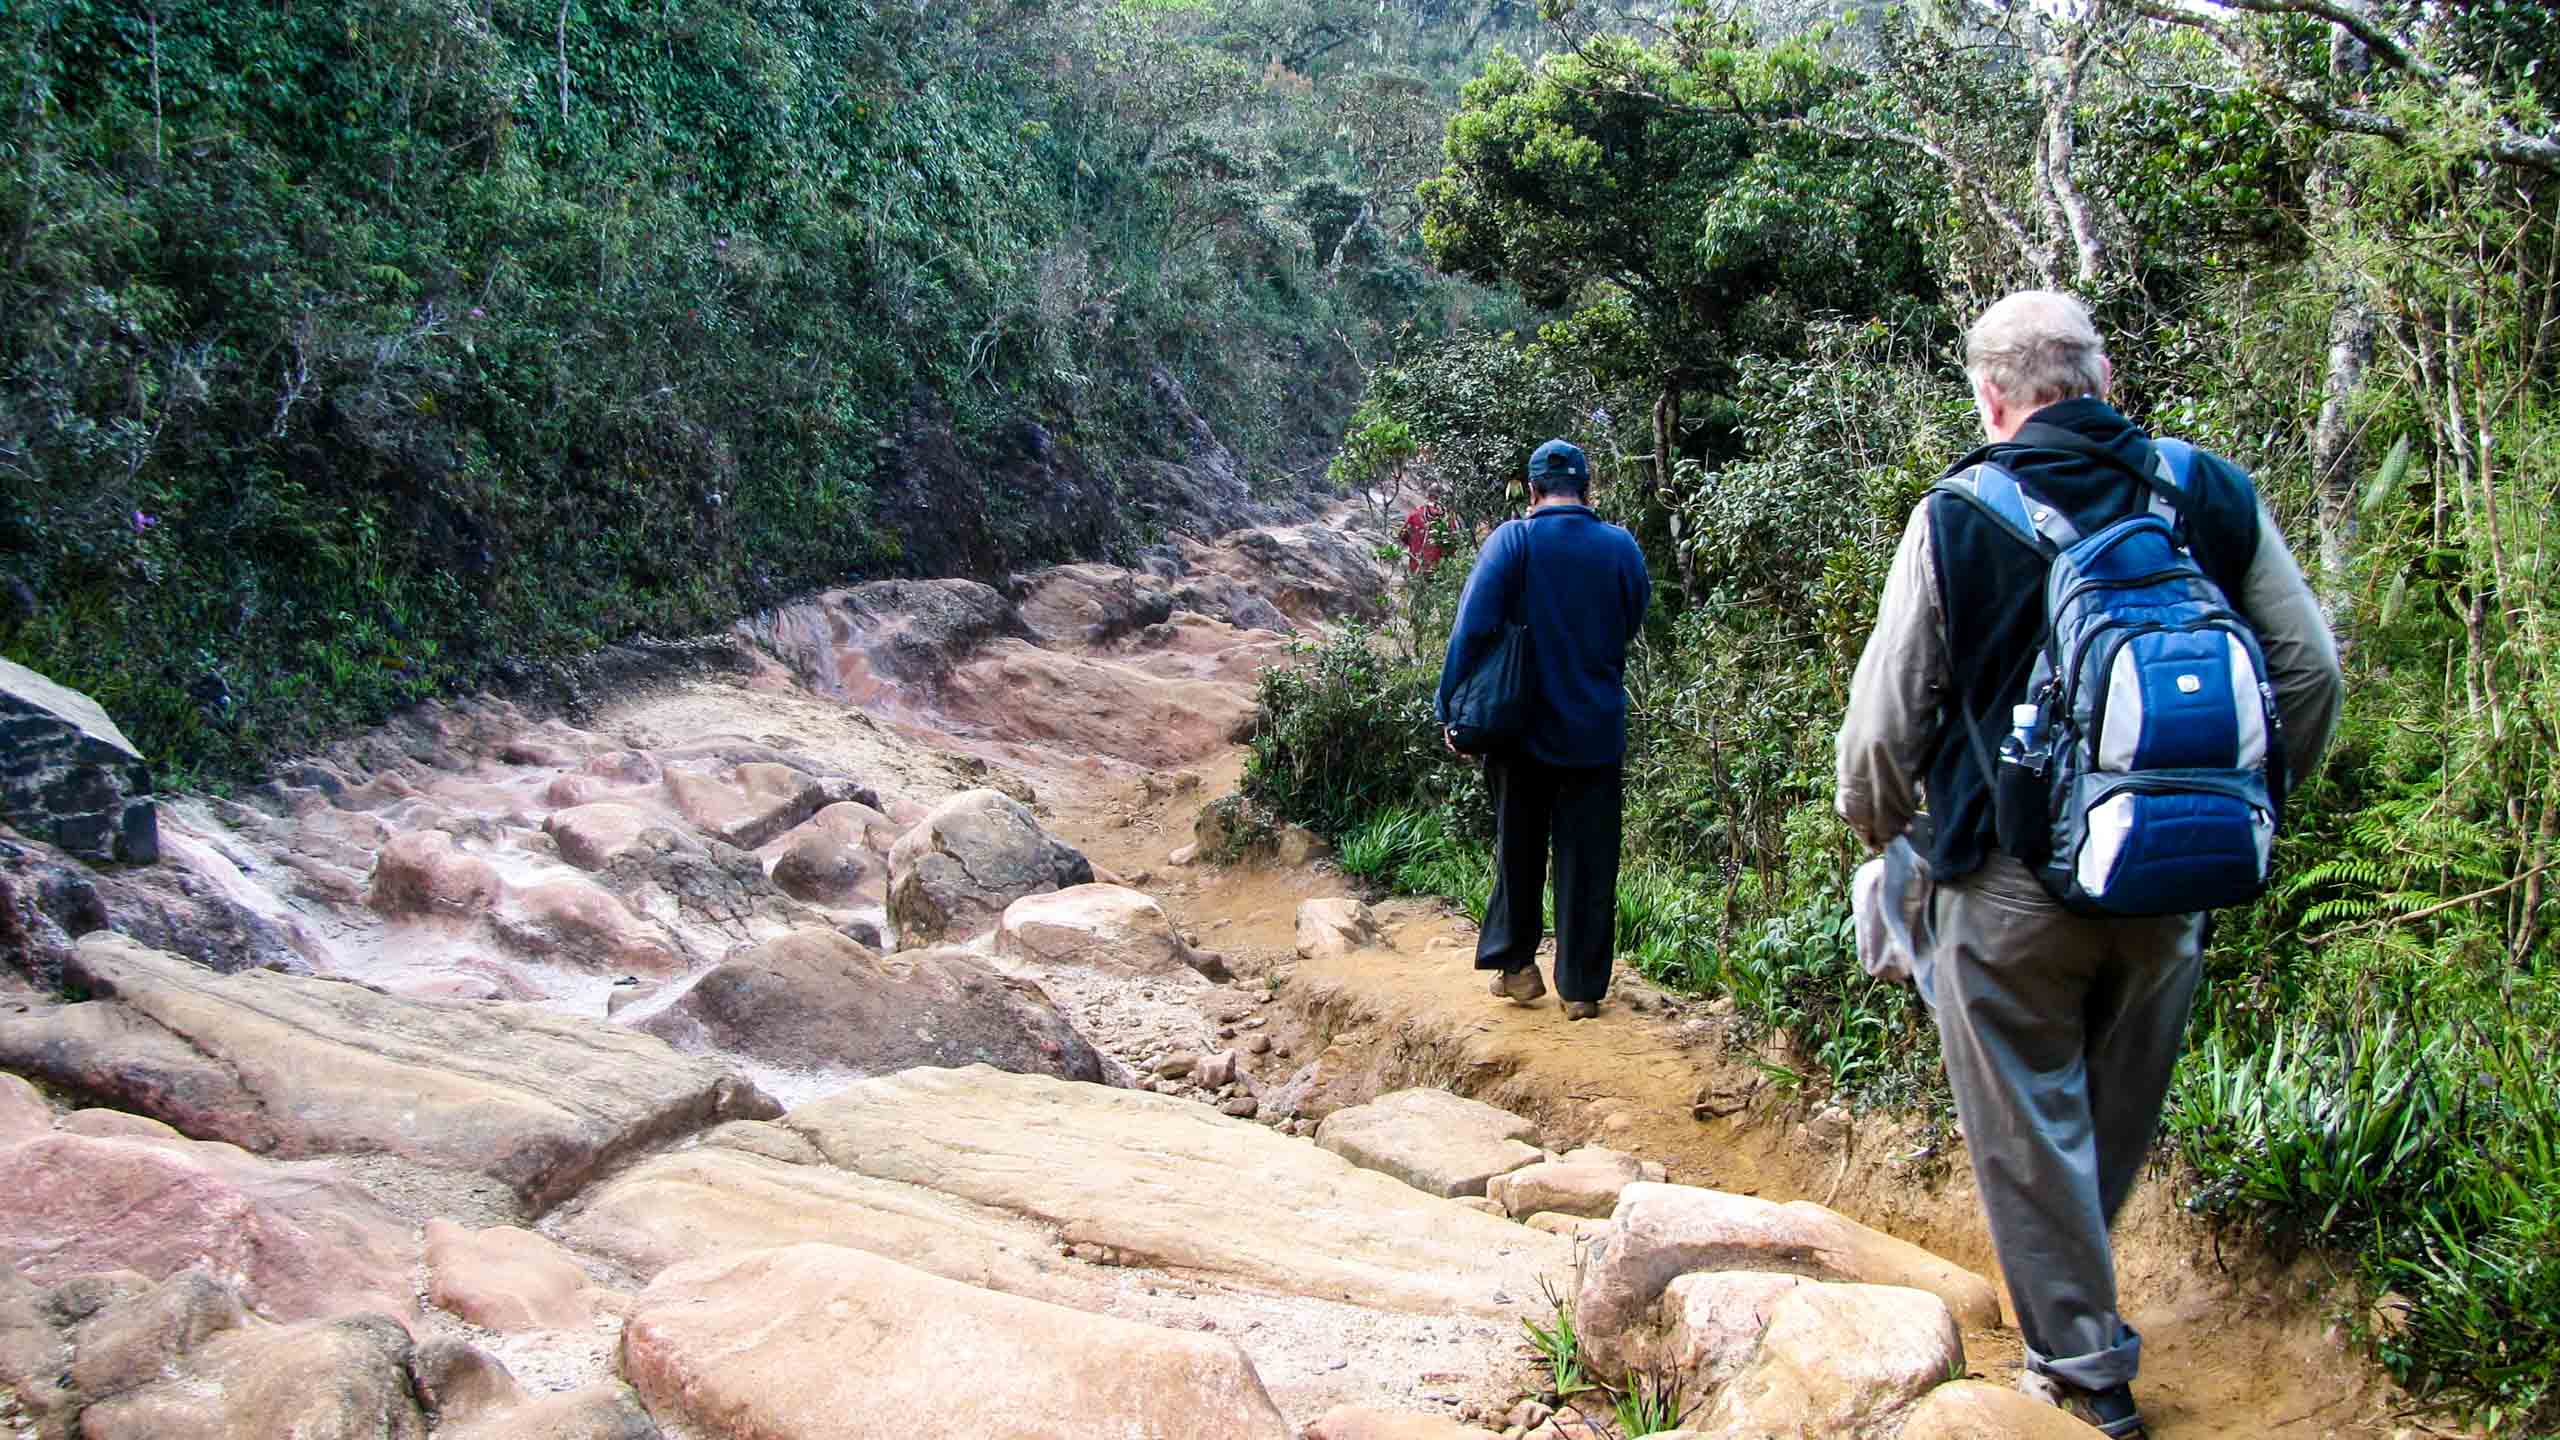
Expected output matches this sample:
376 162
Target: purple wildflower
142 522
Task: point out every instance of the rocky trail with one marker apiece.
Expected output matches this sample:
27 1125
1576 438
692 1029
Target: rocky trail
849 1041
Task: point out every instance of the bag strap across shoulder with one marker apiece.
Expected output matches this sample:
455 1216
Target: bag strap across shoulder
1528 554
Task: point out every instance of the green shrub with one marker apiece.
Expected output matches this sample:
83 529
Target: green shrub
1348 731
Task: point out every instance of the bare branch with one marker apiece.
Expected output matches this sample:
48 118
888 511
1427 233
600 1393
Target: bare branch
2509 146
2034 252
2386 47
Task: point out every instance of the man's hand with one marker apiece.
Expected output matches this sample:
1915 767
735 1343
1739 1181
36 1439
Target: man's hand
1449 738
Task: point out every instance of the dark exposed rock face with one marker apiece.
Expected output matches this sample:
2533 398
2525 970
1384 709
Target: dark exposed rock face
1025 496
68 775
48 900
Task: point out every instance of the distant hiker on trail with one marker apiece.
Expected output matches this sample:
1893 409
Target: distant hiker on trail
1575 588
1422 535
2115 620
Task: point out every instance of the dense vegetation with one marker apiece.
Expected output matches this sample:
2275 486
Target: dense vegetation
356 353
2326 240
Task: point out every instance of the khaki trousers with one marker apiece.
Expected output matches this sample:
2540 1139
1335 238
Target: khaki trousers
2060 1032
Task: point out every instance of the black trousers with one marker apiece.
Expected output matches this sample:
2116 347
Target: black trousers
1578 810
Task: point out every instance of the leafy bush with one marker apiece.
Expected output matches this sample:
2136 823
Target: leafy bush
361 354
1349 731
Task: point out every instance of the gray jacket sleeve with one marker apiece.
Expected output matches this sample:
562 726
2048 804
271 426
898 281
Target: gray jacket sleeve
2302 656
1897 699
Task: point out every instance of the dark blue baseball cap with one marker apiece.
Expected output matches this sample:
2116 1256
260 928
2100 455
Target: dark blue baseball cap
1560 460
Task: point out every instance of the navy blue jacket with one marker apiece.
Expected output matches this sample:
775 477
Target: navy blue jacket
1579 584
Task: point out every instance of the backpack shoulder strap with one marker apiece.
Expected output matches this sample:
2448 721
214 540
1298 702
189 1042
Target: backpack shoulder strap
1995 492
2173 466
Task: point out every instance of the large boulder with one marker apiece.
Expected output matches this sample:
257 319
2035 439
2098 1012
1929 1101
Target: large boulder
1312 573
1101 927
1092 705
507 1279
131 1342
813 998
1154 1180
575 922
1662 1232
292 1066
298 1245
1432 1140
23 1112
749 805
1089 606
970 857
1840 1360
594 836
329 1380
1331 927
68 775
797 1343
421 874
1585 1182
1712 1326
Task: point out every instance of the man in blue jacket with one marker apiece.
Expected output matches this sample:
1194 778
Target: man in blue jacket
1579 584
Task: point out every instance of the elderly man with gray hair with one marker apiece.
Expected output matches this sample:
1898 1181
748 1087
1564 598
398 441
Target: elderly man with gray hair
2060 1027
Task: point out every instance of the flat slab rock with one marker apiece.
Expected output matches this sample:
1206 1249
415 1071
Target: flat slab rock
734 1193
807 1340
292 1066
1164 1182
1357 1422
1434 1141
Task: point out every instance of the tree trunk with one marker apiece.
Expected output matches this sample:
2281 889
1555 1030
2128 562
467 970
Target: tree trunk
2352 328
1666 458
2353 325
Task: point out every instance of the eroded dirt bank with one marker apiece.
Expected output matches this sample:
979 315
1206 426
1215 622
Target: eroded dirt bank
635 998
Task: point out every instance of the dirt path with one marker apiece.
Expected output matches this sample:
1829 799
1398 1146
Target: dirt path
2235 1346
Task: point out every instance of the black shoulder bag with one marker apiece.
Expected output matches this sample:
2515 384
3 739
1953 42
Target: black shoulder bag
1489 708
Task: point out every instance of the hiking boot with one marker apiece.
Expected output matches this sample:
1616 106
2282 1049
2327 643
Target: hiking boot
1581 1009
2111 1410
1522 986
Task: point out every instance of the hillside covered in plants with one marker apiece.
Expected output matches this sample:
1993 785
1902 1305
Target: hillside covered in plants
360 353
2324 239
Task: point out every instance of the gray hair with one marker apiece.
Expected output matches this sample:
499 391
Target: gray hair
2038 347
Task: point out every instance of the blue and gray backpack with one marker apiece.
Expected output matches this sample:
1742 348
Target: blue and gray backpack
2145 772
